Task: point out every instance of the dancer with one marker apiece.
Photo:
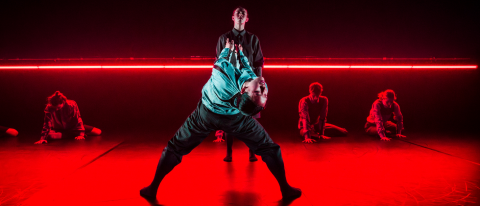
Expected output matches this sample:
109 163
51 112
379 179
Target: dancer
229 100
8 131
313 111
381 112
253 52
62 118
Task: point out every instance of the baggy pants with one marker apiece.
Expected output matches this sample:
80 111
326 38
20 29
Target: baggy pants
202 122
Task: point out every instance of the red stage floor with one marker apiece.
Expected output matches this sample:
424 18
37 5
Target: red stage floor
353 170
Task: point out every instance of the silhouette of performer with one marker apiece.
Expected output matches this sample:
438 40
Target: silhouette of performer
229 100
253 52
383 109
313 111
62 118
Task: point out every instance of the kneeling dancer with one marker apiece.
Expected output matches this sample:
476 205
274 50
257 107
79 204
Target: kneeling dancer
384 109
229 100
62 118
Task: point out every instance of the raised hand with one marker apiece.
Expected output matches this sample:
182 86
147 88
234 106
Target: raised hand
229 44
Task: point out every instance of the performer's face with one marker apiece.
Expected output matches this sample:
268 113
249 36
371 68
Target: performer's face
387 102
58 107
257 90
315 96
240 16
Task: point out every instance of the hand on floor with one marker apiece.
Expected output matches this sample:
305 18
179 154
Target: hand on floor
385 138
219 140
308 140
401 136
41 141
79 137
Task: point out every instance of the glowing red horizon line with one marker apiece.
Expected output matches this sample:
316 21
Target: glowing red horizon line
266 66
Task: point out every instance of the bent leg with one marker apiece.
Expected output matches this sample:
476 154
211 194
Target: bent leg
255 137
92 131
371 129
335 131
390 127
190 135
229 140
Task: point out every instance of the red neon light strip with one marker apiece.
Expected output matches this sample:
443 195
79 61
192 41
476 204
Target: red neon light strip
266 66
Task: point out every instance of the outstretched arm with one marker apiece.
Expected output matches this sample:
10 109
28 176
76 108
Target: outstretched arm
399 119
379 122
79 123
323 119
305 121
244 60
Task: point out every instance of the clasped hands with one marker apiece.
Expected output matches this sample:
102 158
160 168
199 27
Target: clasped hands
231 45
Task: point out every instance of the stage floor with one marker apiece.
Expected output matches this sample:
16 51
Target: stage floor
426 169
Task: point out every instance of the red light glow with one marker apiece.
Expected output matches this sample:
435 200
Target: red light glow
266 66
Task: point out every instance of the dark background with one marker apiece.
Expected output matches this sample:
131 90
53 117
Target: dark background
125 100
71 29
115 100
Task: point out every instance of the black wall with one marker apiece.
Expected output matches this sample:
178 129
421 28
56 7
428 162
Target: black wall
431 100
74 29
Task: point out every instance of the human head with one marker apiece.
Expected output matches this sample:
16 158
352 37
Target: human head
57 100
387 97
316 89
240 15
253 97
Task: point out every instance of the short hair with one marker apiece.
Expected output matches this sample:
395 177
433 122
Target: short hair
56 99
388 94
247 106
316 88
240 7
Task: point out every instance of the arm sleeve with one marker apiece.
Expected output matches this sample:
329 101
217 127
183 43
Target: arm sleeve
323 117
245 62
304 116
225 52
398 118
378 120
47 125
258 60
79 122
220 46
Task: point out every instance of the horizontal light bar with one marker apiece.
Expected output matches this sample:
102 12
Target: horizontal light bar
266 66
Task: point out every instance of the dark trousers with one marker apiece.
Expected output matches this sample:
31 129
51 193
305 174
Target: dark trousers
371 128
229 140
74 133
331 130
201 123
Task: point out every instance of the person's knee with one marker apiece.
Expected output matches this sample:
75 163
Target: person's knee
11 132
54 135
95 132
271 149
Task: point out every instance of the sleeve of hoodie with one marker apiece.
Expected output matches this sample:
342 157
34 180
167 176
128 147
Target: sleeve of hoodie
378 119
398 118
323 116
47 124
78 120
